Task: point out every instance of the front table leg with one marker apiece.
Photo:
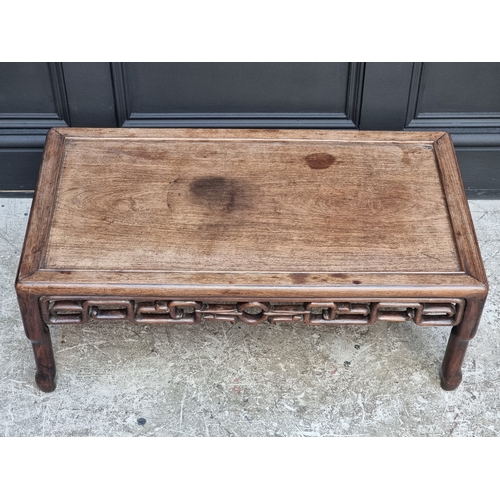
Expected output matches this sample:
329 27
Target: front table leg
451 369
38 332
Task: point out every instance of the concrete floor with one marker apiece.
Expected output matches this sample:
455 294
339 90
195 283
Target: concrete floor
214 379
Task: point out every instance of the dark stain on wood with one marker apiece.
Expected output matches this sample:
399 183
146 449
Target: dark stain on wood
219 194
320 161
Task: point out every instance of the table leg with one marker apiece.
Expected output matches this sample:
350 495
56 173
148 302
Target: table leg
451 369
38 332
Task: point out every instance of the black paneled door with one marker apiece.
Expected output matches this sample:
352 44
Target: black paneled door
306 95
461 98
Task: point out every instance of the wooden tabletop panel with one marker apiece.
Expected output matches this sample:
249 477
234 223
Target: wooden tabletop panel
239 205
282 213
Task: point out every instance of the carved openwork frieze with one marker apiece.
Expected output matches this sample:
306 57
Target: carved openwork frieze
424 312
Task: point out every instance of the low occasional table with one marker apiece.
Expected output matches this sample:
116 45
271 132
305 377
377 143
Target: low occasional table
187 225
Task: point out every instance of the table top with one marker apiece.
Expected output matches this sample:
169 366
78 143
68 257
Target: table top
223 210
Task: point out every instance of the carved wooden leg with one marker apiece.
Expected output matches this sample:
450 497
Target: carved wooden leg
451 369
38 332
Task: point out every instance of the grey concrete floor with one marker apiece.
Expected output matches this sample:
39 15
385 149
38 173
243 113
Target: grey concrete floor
213 379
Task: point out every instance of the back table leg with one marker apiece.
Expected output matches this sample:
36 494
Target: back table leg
38 332
451 369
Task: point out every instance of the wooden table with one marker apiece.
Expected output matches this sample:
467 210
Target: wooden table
190 225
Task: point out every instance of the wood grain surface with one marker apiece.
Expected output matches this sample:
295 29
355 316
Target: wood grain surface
250 206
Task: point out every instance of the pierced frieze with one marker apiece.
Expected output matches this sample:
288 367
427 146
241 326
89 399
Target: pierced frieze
428 312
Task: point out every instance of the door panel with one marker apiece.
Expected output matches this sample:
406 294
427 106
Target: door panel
238 94
454 95
32 95
32 100
462 88
464 100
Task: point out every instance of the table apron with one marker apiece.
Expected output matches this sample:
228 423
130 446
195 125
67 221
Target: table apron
348 311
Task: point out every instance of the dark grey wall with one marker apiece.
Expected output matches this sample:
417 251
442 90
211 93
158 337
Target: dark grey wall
461 98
